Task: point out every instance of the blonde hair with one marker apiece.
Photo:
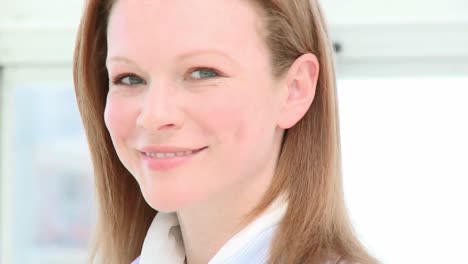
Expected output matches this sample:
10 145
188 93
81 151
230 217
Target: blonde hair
316 224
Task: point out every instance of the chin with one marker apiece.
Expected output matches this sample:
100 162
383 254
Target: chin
167 201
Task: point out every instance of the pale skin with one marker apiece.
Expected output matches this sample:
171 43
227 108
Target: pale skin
201 80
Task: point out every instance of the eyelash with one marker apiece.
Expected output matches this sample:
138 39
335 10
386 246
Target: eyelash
118 79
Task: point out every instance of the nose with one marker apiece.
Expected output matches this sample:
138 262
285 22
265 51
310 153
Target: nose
160 109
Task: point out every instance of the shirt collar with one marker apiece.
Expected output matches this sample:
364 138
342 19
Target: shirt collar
163 242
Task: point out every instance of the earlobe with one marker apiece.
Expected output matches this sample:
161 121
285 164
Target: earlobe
301 83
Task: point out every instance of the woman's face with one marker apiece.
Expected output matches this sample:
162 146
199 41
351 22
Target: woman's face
192 106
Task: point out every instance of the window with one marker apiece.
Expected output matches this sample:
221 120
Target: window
405 163
47 207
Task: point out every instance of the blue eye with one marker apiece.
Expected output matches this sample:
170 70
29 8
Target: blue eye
204 73
127 79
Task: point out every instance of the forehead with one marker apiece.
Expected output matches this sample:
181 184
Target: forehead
166 28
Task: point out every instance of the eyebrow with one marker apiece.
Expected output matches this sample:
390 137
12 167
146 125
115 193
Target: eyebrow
183 56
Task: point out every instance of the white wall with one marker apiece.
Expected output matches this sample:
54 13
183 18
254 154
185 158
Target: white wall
59 12
400 37
395 11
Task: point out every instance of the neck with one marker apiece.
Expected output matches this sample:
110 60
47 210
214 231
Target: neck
208 225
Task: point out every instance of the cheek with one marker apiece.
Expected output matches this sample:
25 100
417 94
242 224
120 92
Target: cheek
237 117
118 118
223 115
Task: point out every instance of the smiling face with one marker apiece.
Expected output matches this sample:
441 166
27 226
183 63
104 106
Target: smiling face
192 107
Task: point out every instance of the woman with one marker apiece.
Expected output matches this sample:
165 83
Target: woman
214 133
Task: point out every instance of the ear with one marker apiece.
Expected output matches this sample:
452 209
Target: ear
300 85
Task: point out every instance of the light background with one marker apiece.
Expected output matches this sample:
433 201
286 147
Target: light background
403 98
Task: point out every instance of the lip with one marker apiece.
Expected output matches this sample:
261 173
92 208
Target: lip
167 163
166 149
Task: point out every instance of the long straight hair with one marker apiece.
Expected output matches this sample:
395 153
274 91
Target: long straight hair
316 224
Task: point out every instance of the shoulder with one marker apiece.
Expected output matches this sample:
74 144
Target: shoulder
341 260
136 261
334 258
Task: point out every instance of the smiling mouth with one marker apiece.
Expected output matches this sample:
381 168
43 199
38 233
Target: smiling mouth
166 158
168 155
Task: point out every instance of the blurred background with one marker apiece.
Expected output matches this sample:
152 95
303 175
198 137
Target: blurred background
403 97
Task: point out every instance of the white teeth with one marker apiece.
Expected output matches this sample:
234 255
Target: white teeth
168 154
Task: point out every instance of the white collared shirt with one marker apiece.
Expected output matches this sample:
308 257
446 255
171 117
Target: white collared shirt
163 243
